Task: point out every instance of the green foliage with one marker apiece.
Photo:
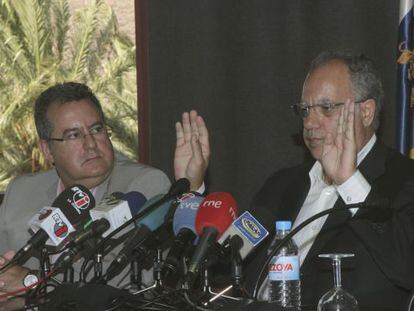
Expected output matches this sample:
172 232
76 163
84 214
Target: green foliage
42 44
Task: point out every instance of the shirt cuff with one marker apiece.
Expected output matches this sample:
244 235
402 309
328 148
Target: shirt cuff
202 189
354 190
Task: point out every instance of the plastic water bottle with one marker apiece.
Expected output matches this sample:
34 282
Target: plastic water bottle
284 280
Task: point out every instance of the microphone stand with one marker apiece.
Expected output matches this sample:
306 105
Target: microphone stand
136 272
180 186
237 271
69 275
44 264
236 276
97 266
44 270
157 268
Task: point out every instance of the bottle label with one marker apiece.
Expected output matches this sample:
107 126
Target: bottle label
284 268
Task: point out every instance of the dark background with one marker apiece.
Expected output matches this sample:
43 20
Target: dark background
241 64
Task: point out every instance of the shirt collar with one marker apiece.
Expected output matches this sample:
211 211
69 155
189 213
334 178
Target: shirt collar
315 174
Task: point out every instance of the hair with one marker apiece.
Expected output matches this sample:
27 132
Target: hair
365 80
60 94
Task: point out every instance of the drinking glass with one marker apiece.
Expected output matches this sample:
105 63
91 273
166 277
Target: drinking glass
337 299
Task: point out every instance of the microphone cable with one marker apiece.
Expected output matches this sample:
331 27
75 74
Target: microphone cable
16 292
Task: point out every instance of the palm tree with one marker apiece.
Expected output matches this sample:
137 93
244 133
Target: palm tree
42 43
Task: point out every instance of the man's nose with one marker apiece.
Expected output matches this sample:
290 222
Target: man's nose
312 120
89 140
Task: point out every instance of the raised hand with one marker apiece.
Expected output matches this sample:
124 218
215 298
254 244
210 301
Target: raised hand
192 150
339 153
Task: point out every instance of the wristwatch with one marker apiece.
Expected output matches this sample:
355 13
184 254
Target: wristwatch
30 279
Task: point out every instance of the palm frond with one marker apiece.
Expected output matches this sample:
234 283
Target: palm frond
88 20
105 33
32 17
61 16
12 52
41 44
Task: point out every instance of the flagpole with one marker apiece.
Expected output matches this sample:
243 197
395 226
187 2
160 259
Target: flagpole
405 117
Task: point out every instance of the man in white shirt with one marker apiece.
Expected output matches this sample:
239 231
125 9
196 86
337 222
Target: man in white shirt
341 99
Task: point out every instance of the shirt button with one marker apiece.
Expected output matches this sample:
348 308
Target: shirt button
348 199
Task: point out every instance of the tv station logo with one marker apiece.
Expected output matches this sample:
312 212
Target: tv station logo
250 228
60 228
80 200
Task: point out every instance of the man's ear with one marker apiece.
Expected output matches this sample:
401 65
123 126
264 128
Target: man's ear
368 109
44 146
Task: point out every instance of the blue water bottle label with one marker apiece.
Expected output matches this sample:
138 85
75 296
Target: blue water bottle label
284 268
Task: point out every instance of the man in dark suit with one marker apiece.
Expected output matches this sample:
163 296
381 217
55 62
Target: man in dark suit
341 100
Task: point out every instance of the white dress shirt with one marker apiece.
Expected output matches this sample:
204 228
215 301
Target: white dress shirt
320 197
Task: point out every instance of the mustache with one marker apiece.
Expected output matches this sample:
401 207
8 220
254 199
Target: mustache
308 133
312 133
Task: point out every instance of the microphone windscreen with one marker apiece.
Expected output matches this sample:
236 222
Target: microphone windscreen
118 210
136 201
180 186
186 211
75 202
155 218
218 210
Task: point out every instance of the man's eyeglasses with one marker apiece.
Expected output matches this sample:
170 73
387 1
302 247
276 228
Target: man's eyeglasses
325 108
98 131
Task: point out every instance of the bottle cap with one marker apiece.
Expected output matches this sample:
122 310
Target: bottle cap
283 225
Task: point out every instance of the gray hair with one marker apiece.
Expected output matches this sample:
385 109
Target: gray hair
365 80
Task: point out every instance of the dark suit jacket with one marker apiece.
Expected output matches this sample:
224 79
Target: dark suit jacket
380 275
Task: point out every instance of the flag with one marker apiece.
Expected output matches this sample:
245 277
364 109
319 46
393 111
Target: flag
405 95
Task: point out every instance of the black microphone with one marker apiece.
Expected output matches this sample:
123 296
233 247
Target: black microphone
184 231
179 187
214 216
72 207
96 229
110 213
382 203
146 227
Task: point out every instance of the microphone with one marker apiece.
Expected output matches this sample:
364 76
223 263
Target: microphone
113 211
95 229
382 203
147 225
179 187
216 213
55 223
245 233
184 230
118 211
